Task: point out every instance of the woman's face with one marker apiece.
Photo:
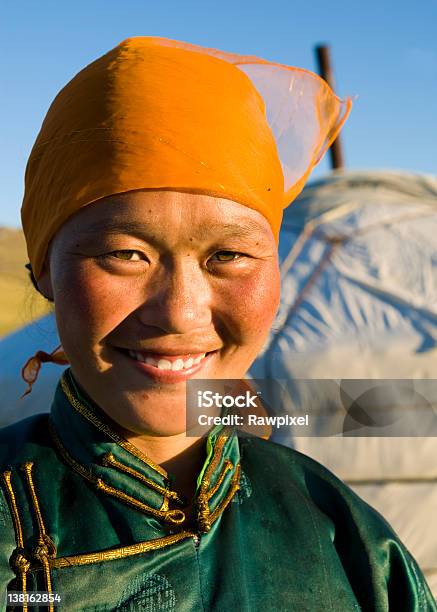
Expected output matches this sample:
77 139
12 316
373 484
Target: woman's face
154 287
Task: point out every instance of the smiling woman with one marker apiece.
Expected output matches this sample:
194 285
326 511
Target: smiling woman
155 297
154 196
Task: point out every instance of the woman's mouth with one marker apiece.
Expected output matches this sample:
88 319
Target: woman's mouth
170 362
170 368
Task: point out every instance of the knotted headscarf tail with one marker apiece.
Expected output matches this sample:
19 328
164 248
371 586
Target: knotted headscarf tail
31 368
154 113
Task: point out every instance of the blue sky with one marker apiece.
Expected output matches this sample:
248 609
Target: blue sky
384 52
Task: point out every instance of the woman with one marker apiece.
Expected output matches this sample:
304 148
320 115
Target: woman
153 201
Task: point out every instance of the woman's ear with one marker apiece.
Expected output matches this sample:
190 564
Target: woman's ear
44 282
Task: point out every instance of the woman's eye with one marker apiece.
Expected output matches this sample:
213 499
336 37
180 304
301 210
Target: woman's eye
225 256
127 255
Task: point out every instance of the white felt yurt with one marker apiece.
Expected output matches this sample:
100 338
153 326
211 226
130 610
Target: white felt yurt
359 301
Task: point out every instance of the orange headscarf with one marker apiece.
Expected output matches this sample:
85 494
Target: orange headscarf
160 114
155 113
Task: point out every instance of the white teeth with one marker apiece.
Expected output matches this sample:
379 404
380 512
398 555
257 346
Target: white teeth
165 364
177 365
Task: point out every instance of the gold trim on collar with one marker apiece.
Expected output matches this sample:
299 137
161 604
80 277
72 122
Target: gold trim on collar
108 460
119 553
105 428
7 476
45 548
223 437
226 468
205 517
175 517
235 485
19 561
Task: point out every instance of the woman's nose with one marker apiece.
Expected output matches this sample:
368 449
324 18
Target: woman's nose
179 300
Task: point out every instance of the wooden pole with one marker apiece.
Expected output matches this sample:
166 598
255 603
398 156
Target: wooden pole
325 71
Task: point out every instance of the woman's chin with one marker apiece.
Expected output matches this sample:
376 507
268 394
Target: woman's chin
153 431
155 422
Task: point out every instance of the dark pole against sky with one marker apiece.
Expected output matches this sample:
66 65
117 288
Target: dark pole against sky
323 55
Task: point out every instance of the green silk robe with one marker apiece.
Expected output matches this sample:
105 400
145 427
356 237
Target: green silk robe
85 514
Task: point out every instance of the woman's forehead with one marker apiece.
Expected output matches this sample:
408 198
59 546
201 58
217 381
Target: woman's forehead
161 212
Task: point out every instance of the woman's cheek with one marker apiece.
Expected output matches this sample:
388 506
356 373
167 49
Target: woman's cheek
252 301
96 301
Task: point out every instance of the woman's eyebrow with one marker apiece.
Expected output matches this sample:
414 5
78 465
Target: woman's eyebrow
112 226
245 229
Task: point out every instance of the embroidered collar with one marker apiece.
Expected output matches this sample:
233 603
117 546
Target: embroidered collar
88 443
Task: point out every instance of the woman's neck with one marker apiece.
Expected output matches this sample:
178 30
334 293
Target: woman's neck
181 456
